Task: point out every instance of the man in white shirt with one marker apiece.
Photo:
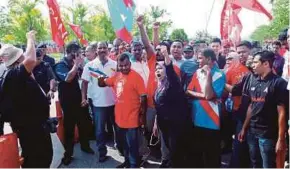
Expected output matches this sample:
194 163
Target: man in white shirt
103 99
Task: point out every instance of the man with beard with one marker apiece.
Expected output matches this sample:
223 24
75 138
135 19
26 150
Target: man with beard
130 108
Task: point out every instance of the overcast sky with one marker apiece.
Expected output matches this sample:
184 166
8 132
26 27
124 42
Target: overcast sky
188 14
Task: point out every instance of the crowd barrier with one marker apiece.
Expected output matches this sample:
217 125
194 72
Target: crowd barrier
9 151
60 128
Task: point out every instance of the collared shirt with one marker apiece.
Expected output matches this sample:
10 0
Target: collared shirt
129 89
278 65
43 76
69 93
206 113
101 96
265 95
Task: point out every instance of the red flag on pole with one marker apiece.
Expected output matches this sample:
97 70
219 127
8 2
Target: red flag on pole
78 31
58 30
253 5
231 26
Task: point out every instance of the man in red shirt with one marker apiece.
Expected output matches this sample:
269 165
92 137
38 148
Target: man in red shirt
130 108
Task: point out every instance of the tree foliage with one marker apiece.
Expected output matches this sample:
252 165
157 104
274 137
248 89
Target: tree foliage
280 21
179 34
94 21
203 35
22 16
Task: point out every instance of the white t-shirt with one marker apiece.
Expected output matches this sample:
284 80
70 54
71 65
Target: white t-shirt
101 96
142 69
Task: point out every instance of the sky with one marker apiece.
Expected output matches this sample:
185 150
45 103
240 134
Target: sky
191 15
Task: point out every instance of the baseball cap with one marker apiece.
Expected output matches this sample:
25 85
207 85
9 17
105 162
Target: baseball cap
188 48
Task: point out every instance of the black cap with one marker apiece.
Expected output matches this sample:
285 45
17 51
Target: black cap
188 48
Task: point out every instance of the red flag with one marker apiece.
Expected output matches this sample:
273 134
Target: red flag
231 26
253 5
58 30
78 31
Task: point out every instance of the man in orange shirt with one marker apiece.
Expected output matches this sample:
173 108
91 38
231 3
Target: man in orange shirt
130 108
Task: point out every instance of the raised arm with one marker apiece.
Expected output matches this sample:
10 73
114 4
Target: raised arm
156 40
144 37
30 56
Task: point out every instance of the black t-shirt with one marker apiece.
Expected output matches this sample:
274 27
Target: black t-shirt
69 93
43 76
265 96
221 60
29 104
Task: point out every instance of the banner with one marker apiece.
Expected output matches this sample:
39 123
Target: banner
58 30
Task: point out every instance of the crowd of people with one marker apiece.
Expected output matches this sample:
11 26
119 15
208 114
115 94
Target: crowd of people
193 97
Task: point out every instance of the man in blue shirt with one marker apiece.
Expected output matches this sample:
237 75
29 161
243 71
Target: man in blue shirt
68 72
206 89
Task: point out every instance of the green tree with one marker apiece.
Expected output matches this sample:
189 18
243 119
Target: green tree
179 34
203 35
4 22
24 16
154 14
94 21
279 22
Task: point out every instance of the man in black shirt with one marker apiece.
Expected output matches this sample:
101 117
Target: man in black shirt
68 72
28 105
265 121
43 74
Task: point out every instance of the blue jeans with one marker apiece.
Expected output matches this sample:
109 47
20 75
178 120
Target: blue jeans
101 117
130 142
240 155
262 151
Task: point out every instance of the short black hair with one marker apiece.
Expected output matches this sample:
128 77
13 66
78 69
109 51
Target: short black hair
277 43
136 43
216 40
178 41
266 56
72 46
124 56
245 43
208 53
